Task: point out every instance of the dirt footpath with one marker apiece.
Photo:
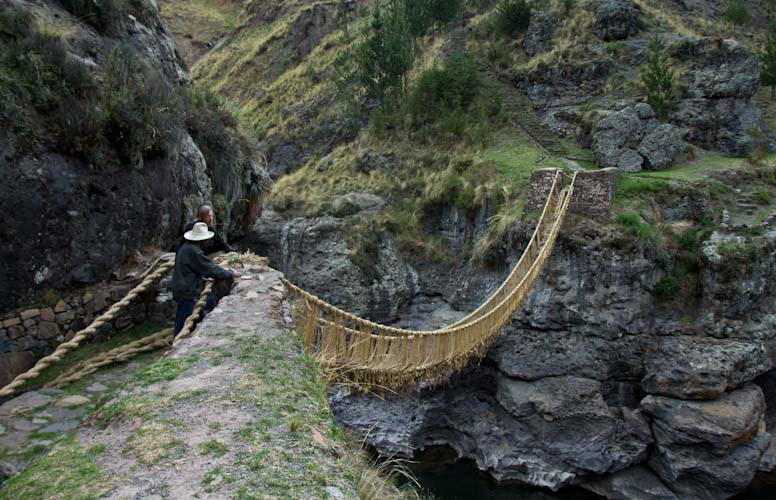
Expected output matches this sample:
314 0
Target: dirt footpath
234 411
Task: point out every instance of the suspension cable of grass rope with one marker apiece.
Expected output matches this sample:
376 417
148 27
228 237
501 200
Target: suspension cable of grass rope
369 354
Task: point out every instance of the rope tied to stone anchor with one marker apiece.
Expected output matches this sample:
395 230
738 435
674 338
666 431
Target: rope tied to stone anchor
90 330
369 354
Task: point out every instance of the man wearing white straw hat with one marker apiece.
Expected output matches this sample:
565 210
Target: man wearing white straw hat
191 265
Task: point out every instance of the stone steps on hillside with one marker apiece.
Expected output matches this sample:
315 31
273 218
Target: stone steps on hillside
516 105
456 43
520 109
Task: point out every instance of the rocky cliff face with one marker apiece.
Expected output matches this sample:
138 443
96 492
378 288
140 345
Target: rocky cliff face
72 218
599 383
714 78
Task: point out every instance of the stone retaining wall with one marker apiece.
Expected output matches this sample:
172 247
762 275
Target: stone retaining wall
593 191
29 333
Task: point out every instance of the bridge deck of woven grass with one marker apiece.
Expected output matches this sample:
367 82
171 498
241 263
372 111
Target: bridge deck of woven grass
372 355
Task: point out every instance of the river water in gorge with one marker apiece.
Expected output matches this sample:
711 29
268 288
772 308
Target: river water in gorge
442 477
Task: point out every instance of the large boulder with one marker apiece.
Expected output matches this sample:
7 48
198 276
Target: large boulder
721 77
708 450
697 368
632 139
568 80
635 483
553 432
314 253
530 356
538 37
616 19
660 147
717 67
730 125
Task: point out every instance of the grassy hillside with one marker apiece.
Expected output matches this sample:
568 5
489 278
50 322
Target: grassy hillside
289 69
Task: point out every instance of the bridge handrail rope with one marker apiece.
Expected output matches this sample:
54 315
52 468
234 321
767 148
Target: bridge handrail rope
371 354
515 274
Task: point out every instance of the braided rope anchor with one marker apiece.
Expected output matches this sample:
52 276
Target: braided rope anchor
188 326
162 338
65 347
158 340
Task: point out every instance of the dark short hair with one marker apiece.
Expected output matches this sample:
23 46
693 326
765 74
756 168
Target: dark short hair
203 210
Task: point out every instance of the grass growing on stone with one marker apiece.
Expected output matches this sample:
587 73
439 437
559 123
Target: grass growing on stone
293 429
154 441
91 349
70 467
165 369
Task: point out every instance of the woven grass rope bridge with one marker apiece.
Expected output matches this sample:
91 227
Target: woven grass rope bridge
371 355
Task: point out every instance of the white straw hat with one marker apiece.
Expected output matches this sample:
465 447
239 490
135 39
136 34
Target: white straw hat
199 232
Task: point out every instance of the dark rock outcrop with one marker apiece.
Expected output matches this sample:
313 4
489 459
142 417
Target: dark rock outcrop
696 368
570 81
721 77
75 220
590 343
538 37
636 482
314 254
526 431
616 19
632 139
708 449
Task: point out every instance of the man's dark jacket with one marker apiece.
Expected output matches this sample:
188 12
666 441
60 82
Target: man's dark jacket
213 245
191 265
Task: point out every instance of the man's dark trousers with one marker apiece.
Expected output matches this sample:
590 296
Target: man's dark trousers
185 308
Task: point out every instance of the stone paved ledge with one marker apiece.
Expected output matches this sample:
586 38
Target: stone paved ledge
234 411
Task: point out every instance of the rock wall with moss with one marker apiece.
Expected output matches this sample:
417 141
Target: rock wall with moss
106 146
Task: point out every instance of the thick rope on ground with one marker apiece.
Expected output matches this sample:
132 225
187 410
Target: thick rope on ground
79 337
162 338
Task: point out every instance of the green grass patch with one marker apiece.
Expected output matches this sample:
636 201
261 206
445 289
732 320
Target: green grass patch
636 226
69 471
165 369
514 157
702 168
630 185
89 350
214 447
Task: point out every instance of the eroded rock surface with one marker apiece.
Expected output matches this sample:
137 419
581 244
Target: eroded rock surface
538 38
693 368
525 431
616 19
632 139
708 449
716 108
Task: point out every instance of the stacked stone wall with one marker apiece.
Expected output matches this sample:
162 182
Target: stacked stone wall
593 191
26 334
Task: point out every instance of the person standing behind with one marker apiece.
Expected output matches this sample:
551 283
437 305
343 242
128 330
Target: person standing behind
216 244
191 266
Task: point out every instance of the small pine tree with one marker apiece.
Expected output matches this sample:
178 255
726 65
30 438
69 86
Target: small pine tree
658 78
737 12
444 11
512 16
385 55
768 62
418 16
